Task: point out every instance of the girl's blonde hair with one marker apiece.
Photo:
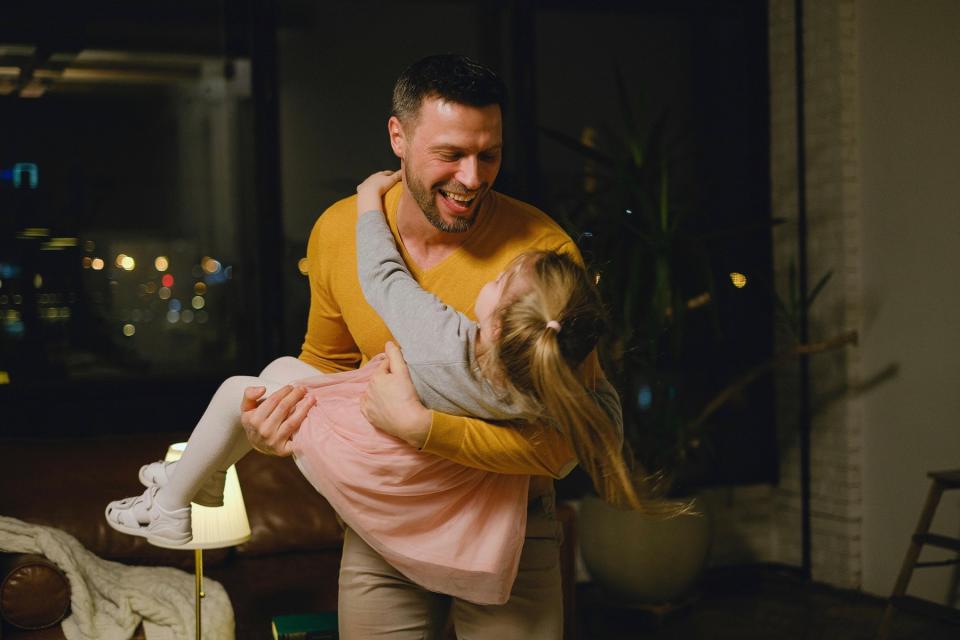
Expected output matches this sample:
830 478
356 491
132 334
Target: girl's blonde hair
538 362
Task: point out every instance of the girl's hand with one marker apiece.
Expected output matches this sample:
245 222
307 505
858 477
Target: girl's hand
370 191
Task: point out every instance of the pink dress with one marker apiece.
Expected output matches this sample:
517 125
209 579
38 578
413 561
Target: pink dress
449 528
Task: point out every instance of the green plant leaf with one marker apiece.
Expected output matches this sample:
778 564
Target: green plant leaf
577 146
789 317
818 288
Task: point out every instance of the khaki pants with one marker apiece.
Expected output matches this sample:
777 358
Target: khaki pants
377 601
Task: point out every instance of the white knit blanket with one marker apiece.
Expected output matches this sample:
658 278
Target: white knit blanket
109 599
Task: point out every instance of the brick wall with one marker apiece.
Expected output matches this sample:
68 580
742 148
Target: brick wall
759 524
833 245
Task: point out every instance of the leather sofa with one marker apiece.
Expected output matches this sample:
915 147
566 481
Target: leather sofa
290 565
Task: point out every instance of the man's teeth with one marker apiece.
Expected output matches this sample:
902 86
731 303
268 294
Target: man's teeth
459 197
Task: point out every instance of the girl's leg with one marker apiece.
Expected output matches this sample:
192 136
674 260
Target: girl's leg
218 440
216 436
276 374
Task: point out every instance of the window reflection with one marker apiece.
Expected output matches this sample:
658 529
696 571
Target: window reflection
119 200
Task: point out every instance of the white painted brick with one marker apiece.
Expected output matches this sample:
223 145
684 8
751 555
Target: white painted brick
834 211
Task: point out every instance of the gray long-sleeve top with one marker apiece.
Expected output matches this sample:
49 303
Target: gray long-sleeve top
438 341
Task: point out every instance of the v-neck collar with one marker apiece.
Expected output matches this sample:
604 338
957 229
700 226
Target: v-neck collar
391 204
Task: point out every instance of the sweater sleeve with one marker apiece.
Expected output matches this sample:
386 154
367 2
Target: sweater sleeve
530 448
327 345
534 449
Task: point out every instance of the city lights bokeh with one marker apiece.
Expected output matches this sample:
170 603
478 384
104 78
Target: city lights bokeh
210 265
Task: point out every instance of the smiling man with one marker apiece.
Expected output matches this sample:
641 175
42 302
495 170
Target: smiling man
451 165
455 233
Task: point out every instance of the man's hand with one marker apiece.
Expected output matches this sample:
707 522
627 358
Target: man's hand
391 403
270 424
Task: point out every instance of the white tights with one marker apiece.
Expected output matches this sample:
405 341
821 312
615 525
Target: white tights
219 440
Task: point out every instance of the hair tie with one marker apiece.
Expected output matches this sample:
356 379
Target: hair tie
553 324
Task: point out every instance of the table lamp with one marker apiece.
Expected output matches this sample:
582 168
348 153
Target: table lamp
213 527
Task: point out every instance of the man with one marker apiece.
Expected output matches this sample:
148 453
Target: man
455 233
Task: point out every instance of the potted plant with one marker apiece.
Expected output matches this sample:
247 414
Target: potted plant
653 262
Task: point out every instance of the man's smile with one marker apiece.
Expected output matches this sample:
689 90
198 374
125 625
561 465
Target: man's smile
458 202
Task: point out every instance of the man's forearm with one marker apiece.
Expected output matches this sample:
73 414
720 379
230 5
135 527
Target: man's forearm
531 449
534 449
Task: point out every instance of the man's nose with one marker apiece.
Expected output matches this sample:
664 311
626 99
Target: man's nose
469 173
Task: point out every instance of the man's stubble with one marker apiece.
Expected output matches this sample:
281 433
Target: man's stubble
425 199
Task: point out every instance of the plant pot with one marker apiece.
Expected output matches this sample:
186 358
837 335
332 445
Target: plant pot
637 559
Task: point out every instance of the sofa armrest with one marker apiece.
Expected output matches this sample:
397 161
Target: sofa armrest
34 592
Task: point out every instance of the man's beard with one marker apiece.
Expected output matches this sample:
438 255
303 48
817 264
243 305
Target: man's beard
424 198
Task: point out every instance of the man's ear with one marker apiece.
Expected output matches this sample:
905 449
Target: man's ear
398 137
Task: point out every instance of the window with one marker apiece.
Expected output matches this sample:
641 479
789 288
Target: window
121 196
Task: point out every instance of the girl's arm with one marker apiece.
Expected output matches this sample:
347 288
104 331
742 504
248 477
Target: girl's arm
428 330
438 341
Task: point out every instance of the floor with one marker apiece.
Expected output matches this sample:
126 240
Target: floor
751 604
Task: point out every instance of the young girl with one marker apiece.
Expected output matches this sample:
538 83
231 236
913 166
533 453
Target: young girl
449 528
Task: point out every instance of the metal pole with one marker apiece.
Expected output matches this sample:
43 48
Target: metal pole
804 390
198 574
266 240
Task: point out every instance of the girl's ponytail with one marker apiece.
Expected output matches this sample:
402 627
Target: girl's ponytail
546 336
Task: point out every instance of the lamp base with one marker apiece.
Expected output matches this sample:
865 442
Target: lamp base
198 573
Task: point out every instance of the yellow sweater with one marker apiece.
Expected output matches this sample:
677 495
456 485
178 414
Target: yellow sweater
343 331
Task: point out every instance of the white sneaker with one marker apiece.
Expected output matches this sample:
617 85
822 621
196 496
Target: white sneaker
143 516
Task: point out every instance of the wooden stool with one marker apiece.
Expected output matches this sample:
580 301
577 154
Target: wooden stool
942 481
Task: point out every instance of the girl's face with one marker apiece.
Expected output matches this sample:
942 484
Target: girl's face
489 298
511 281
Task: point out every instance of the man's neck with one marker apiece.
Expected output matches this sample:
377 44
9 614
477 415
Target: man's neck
427 245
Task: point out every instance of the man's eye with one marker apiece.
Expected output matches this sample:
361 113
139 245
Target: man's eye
488 157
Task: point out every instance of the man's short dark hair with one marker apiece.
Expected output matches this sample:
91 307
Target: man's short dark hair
450 77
